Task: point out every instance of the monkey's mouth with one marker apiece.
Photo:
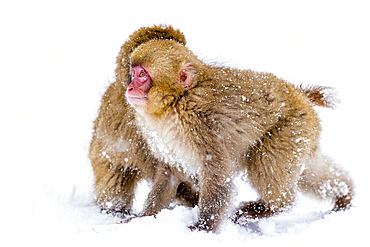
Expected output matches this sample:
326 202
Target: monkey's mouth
137 101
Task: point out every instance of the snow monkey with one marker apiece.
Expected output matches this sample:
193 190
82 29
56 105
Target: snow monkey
189 127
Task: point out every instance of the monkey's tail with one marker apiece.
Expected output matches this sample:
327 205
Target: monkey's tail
321 96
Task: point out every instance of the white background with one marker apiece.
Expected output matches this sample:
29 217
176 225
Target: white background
57 57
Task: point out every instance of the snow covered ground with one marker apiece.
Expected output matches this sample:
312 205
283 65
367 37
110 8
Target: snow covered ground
57 57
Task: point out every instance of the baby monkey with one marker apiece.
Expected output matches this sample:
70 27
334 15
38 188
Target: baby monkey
189 128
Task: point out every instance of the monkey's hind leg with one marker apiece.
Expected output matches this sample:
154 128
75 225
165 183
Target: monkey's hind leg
274 180
274 167
325 180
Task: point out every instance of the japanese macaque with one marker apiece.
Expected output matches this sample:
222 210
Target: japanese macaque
190 127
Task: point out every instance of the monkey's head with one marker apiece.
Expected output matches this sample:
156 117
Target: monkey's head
161 71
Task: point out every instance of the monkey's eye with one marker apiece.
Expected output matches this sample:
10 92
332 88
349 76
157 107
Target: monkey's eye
142 74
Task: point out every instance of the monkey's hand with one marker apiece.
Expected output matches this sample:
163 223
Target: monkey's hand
135 216
201 226
129 218
197 227
251 211
121 213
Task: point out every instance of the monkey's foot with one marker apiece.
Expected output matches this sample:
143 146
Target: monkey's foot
251 211
343 203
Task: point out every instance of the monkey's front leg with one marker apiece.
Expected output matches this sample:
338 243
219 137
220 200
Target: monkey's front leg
214 198
115 188
163 191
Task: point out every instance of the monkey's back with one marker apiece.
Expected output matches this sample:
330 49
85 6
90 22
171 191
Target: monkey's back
265 99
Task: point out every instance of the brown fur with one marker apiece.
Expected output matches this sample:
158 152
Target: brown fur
320 96
190 141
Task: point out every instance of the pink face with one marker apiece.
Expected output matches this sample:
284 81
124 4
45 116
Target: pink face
137 90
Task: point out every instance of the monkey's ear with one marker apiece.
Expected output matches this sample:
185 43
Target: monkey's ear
185 76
